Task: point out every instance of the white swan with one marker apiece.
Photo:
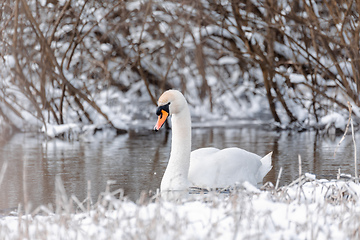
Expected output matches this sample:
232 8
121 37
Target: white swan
205 167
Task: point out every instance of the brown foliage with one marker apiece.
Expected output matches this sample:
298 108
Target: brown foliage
170 44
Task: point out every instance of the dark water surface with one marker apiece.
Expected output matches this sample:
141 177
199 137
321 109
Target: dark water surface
137 160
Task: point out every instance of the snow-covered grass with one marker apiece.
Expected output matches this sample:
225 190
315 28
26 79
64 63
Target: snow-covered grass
308 208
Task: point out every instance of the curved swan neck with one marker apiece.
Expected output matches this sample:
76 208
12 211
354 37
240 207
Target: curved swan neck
176 173
181 133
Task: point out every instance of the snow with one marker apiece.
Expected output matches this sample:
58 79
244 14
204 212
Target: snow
57 130
106 59
306 209
297 78
336 119
43 2
228 60
105 47
72 131
10 61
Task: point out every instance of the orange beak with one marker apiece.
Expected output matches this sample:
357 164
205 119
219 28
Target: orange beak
161 119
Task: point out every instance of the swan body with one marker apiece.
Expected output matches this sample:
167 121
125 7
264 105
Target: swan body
208 168
215 168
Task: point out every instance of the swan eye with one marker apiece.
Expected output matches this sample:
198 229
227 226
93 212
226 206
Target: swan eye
163 107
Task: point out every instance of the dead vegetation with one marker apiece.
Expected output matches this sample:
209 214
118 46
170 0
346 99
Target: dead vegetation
308 207
59 55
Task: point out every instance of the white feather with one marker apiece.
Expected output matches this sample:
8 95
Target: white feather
205 167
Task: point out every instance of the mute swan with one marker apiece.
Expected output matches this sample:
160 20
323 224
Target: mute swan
205 167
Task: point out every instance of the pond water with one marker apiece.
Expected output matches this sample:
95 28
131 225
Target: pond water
137 160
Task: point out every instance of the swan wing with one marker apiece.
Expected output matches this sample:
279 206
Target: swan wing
202 153
214 168
265 166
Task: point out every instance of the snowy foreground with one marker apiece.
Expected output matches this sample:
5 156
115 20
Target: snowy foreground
306 209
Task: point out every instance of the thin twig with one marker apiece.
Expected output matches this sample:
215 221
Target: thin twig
346 129
88 203
27 205
300 166
355 155
278 178
3 170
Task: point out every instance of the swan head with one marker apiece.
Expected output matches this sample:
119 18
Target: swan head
170 102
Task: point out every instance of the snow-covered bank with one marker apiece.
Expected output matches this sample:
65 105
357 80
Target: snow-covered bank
109 61
307 209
